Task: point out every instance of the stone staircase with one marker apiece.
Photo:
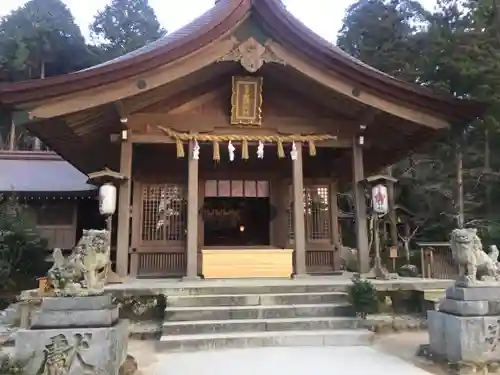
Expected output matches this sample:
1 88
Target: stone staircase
236 317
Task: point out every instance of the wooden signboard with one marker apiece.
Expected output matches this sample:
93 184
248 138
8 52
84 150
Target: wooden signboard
246 101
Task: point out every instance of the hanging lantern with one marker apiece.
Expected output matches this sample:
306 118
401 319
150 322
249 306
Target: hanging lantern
380 200
107 199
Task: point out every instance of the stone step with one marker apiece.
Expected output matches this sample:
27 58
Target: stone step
257 312
256 299
355 337
260 325
257 289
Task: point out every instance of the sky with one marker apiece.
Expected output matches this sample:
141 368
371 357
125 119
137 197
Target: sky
322 16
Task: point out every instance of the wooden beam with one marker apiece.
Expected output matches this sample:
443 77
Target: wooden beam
196 102
334 225
341 85
120 109
208 76
158 138
151 139
130 87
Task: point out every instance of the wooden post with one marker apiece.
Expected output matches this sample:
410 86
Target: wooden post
135 229
192 216
12 136
125 190
360 208
201 201
334 225
298 213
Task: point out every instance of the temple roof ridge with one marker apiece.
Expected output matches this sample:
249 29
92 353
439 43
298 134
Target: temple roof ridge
220 22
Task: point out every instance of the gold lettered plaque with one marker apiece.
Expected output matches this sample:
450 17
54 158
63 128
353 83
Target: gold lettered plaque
246 101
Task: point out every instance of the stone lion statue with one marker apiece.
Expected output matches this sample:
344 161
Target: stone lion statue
84 272
467 250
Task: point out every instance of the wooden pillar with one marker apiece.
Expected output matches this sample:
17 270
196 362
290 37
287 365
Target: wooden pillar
334 225
192 216
360 209
123 228
201 201
136 228
298 213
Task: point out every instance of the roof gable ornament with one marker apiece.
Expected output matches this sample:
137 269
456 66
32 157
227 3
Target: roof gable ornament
252 55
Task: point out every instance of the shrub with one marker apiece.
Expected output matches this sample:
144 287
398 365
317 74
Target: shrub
9 366
363 297
22 250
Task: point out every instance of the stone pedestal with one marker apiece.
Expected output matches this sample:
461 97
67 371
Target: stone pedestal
466 327
82 334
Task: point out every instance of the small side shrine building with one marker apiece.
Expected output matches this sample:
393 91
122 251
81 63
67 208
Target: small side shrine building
232 135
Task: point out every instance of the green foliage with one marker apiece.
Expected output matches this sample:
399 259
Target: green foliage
363 297
455 49
9 366
22 251
125 25
367 25
41 39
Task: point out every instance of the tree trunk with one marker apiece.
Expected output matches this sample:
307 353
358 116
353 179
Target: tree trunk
407 242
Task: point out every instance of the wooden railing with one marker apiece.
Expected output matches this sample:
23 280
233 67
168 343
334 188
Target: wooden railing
159 264
319 261
437 262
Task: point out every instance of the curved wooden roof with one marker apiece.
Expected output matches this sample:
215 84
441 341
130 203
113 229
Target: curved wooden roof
217 22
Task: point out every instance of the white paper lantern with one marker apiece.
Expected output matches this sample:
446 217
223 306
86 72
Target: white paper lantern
107 199
380 199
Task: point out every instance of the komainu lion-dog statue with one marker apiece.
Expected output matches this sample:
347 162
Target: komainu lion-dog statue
467 250
84 272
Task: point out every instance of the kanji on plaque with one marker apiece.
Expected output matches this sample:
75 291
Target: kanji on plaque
246 101
380 199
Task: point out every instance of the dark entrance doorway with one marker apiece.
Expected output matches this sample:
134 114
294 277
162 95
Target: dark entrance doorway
236 221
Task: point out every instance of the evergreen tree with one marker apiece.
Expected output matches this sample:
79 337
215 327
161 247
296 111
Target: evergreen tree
381 34
125 25
453 49
39 40
22 250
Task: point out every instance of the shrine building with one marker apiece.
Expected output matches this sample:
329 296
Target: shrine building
228 140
